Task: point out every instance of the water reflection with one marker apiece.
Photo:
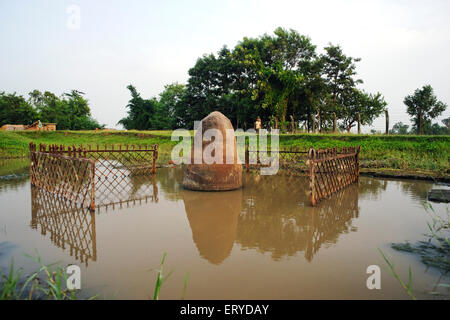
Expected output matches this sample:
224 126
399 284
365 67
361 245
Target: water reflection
68 224
371 189
417 191
213 218
72 225
271 214
277 218
112 193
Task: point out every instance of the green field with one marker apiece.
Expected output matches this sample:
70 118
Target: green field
393 155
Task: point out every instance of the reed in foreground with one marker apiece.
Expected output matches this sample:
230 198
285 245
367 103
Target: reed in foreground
48 282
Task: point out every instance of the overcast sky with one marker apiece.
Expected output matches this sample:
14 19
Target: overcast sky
403 44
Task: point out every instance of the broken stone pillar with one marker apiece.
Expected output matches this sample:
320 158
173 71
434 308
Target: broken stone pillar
214 158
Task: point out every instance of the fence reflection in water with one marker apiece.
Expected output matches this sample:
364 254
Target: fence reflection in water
71 225
329 170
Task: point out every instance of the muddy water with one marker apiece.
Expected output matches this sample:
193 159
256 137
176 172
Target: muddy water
261 242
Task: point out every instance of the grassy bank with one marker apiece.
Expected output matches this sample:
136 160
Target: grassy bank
390 155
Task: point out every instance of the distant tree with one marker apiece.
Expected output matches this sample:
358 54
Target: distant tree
140 111
339 72
166 116
367 105
71 111
217 83
423 106
436 129
432 128
14 109
269 75
400 128
51 109
446 122
285 71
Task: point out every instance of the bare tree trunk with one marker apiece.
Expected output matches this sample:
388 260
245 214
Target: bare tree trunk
359 123
313 119
293 128
319 123
334 122
387 121
420 122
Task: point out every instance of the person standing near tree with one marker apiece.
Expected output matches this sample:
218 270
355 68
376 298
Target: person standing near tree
258 125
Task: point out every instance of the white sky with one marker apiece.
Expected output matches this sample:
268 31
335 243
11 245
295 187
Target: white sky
403 44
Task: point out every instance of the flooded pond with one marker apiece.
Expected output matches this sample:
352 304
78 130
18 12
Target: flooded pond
262 242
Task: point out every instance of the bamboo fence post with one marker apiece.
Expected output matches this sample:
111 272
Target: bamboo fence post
247 159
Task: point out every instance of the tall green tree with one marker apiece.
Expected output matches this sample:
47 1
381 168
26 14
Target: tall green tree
140 111
14 109
166 116
264 76
283 63
368 106
339 74
423 106
213 85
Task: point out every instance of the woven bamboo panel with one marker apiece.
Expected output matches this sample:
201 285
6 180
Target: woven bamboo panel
83 173
331 170
67 177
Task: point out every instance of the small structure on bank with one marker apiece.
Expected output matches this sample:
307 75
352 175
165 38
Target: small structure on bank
35 126
216 176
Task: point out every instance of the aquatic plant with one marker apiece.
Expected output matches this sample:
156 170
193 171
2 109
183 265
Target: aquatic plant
408 287
160 279
48 282
434 251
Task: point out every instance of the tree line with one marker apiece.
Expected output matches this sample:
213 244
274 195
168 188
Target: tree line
70 111
272 76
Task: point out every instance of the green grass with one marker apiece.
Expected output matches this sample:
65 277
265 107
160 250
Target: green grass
160 279
48 282
419 154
